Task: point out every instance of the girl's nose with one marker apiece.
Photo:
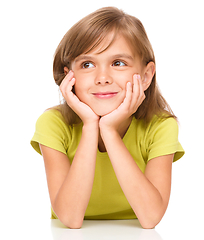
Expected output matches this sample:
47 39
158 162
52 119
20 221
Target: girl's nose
103 78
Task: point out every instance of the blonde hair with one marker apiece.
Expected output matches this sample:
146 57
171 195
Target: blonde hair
87 34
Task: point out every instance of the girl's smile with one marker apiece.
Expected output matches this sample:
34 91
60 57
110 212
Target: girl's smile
105 95
101 76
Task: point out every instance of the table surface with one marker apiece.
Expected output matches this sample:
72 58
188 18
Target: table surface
104 230
47 229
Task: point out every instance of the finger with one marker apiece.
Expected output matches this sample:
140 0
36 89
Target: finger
136 89
138 92
128 97
71 99
142 94
66 89
66 79
70 85
68 94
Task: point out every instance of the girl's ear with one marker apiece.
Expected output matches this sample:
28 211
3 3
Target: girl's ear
149 72
66 70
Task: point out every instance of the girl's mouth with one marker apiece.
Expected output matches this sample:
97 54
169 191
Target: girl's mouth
105 95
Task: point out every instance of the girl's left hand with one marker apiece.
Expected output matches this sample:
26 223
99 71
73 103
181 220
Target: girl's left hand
134 98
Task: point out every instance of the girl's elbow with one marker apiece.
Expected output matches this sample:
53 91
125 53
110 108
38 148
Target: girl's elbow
150 221
72 223
70 219
148 225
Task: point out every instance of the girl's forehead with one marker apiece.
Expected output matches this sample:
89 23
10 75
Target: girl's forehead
106 42
111 42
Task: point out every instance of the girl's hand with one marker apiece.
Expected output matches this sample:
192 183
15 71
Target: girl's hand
134 98
81 109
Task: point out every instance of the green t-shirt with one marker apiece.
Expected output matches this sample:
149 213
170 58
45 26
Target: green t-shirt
144 142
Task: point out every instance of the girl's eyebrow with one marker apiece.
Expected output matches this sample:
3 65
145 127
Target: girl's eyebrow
121 55
83 57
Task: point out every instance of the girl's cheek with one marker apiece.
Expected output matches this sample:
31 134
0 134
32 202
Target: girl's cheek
124 79
81 85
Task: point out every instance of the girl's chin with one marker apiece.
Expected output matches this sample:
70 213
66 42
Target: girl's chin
104 109
101 113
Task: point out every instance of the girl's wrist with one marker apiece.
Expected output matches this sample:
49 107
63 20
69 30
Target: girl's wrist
91 126
106 128
108 132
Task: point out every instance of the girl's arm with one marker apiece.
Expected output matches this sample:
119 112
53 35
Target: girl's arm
70 186
148 194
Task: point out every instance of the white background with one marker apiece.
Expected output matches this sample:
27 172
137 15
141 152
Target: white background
29 34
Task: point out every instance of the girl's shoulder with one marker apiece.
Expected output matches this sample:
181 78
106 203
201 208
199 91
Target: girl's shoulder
157 123
159 137
51 118
51 113
160 122
51 130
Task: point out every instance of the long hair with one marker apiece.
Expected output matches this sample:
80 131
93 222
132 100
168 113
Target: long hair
87 34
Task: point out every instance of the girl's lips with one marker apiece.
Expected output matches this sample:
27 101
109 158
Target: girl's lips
105 95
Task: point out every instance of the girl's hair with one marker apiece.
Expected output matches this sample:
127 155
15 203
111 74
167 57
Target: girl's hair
87 34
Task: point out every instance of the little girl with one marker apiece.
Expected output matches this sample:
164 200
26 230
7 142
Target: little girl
108 149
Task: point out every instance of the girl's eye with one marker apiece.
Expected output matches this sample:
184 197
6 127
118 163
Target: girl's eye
87 65
118 64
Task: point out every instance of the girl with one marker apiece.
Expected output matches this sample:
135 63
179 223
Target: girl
108 149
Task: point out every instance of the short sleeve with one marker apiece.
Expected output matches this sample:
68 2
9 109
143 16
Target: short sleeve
51 131
163 140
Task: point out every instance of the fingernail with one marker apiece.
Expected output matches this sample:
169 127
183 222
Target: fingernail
138 76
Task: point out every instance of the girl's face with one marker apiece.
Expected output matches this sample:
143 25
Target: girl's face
101 78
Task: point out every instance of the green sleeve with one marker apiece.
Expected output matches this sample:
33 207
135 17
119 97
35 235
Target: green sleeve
163 140
51 131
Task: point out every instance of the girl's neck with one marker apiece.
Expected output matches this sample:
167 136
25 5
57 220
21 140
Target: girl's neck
122 131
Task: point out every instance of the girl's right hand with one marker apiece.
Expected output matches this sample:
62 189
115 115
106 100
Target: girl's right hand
81 109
